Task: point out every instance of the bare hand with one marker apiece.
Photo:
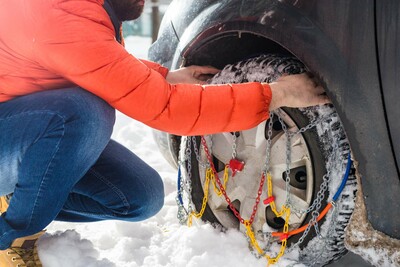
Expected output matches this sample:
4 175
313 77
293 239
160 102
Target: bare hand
191 74
296 91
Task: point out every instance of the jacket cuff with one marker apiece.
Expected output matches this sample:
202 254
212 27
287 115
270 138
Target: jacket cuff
156 67
163 71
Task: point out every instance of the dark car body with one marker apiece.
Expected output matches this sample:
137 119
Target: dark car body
351 45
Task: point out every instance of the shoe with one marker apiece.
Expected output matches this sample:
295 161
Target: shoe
22 252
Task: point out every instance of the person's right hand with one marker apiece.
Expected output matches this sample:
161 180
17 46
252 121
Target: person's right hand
296 91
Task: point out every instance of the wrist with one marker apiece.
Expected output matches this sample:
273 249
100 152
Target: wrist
171 77
277 96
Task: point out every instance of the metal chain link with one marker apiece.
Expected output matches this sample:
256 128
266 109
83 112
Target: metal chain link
315 207
269 143
197 153
186 184
309 126
317 203
234 146
183 213
289 135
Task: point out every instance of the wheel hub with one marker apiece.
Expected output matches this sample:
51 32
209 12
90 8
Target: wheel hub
242 188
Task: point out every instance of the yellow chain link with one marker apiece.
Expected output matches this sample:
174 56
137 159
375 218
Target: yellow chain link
204 204
226 178
209 177
272 203
255 244
285 211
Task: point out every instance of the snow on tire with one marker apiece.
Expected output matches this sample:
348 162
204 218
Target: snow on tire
321 150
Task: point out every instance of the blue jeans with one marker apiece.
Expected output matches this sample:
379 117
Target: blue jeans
57 159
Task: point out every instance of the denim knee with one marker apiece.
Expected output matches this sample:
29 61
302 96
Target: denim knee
155 200
150 200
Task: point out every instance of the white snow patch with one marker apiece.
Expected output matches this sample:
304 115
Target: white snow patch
68 249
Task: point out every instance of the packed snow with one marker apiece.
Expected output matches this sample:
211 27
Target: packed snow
159 241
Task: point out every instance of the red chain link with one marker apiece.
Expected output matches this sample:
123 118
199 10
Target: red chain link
228 200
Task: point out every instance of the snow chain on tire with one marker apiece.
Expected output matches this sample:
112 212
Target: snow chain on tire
332 145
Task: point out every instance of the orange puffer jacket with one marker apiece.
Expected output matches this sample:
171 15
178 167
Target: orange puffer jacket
50 44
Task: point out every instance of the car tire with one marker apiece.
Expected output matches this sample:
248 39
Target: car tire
328 148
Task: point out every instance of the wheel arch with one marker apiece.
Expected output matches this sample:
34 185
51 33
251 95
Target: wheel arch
345 63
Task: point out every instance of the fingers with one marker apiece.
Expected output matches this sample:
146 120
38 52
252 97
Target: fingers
204 73
307 81
202 82
319 94
198 70
323 99
319 90
204 77
209 70
313 100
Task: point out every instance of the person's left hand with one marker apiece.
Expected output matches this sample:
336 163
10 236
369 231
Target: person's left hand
191 74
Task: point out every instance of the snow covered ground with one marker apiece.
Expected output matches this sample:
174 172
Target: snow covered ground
159 241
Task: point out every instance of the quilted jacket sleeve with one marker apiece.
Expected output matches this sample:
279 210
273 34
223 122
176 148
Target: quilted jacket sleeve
76 41
155 66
